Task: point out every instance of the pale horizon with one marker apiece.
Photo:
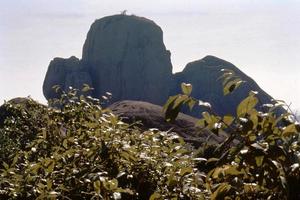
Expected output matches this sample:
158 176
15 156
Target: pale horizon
259 37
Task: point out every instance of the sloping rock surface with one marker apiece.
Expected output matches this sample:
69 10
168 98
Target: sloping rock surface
204 76
143 115
151 116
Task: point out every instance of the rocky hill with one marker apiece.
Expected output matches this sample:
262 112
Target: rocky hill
125 55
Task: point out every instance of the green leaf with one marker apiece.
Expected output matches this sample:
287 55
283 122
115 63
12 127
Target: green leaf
246 105
5 165
171 111
225 171
207 117
97 185
49 184
155 196
289 130
228 119
201 123
226 77
259 160
254 117
232 85
113 184
65 143
86 88
56 88
110 184
229 87
181 99
221 191
169 103
50 167
185 171
186 88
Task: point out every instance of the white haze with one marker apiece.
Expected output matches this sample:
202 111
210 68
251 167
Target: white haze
260 37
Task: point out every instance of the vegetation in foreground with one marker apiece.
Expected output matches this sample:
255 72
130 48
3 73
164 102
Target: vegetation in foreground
82 151
260 157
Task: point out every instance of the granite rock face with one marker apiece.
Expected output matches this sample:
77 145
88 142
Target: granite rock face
125 55
204 76
66 73
127 58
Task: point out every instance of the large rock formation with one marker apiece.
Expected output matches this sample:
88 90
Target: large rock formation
205 74
125 55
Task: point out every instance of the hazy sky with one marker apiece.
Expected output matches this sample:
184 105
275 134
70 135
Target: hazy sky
261 37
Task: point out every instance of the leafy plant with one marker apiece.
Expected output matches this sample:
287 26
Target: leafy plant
78 150
260 157
81 151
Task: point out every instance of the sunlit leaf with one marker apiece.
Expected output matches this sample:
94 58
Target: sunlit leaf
289 130
221 191
155 196
186 88
246 105
228 119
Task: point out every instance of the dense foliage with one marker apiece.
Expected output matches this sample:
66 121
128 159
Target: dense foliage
259 159
82 151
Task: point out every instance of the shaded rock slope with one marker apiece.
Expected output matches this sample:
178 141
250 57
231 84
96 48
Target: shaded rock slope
125 55
204 76
151 116
144 115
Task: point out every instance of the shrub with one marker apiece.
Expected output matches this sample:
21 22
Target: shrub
260 157
82 151
20 121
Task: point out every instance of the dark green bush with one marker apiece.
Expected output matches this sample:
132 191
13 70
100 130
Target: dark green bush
82 151
19 122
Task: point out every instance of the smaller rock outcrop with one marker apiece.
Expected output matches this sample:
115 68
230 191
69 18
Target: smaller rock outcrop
66 73
151 116
207 86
